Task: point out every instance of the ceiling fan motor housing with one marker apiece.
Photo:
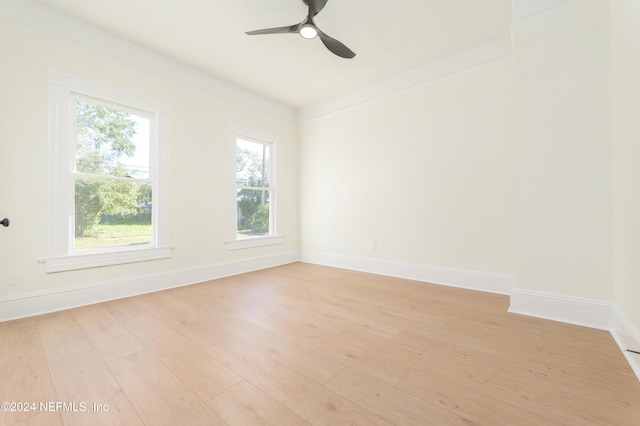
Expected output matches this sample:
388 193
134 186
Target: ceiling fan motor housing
309 30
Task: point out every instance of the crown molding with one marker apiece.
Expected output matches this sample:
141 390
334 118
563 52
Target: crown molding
525 10
68 30
458 62
76 33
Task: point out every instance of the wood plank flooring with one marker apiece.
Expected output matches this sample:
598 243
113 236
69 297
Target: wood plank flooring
304 344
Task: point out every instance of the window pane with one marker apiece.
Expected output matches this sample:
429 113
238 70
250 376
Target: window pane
253 212
112 213
252 164
111 142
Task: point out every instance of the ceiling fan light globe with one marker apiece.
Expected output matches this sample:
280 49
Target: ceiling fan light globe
308 31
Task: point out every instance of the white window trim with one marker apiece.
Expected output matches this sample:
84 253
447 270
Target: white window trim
254 242
260 136
60 255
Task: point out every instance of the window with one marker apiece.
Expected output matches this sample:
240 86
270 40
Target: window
107 197
113 192
254 190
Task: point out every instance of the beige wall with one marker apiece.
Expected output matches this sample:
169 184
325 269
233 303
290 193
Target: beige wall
563 152
625 16
426 173
199 156
526 166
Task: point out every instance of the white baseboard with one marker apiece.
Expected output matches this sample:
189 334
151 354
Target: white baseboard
473 280
627 336
36 303
591 313
572 310
580 311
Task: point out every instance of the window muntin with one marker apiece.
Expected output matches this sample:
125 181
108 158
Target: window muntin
113 191
86 159
254 188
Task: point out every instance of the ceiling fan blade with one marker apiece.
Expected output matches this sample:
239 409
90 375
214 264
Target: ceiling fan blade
335 46
315 6
277 30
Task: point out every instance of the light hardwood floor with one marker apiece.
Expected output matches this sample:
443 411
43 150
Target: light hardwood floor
306 344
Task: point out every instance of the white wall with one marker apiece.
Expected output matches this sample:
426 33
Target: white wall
625 16
524 167
199 165
425 173
563 152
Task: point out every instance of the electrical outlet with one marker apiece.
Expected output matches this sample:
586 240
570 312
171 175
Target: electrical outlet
374 245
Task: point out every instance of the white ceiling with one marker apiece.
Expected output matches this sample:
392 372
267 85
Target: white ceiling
389 38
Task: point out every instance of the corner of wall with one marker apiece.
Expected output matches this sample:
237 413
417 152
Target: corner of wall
584 312
627 336
523 10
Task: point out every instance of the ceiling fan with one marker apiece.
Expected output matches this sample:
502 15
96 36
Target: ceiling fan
308 29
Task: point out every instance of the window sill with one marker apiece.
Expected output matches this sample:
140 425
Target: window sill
95 260
254 242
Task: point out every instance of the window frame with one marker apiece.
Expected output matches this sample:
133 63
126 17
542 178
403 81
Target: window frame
64 88
236 133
